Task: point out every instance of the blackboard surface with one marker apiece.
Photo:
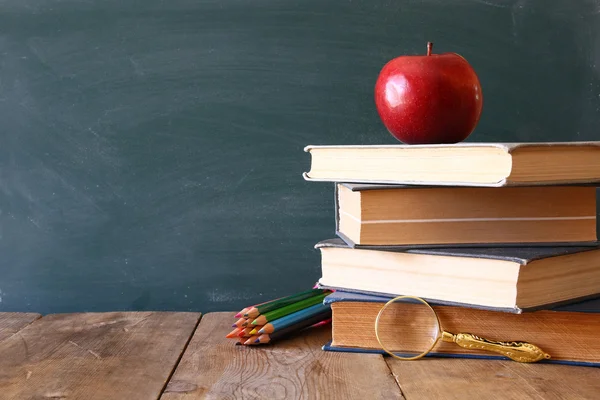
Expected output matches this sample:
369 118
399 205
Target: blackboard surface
151 151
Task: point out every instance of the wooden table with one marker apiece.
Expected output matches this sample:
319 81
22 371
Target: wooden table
151 355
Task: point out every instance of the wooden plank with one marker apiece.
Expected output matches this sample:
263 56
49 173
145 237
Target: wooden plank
11 323
125 355
213 367
493 379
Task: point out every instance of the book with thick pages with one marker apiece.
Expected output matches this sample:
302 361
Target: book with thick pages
461 164
511 279
569 334
389 215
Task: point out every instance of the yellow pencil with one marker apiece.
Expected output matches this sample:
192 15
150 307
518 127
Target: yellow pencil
245 332
256 329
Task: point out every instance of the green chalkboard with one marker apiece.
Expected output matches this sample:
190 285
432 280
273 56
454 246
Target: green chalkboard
151 151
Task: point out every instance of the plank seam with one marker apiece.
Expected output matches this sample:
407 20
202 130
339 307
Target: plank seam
187 343
385 360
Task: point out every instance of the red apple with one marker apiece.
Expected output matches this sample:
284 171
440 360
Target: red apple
434 98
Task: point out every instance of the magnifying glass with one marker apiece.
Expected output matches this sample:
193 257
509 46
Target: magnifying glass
408 328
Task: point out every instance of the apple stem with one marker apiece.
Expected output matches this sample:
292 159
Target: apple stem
429 47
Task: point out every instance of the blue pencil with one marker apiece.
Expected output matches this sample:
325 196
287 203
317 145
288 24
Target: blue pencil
322 318
293 318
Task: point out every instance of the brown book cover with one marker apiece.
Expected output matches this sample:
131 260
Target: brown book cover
388 216
568 334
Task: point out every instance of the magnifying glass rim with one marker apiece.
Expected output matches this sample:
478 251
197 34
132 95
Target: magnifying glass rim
437 334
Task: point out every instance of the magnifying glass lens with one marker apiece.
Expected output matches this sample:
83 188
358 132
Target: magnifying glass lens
407 328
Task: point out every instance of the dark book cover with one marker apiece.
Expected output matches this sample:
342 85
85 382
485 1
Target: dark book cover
344 294
590 304
521 254
329 347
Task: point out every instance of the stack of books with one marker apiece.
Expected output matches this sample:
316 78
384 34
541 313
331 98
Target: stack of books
500 238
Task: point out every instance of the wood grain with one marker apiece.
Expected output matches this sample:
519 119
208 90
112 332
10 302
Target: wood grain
491 379
212 367
11 323
94 356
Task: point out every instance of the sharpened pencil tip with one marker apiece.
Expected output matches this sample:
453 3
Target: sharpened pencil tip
257 341
233 333
238 315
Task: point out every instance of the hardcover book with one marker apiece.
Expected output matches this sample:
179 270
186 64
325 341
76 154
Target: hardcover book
460 164
387 215
511 279
568 334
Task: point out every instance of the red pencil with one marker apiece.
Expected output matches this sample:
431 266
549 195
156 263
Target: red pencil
245 332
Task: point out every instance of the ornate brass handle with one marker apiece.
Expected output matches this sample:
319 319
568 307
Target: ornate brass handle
517 351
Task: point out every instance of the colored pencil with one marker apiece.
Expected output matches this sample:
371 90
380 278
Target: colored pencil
294 318
251 340
241 313
247 322
272 337
247 331
233 333
316 320
282 302
324 322
287 310
240 323
246 309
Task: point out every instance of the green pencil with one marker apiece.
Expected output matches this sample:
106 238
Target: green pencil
282 302
292 308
